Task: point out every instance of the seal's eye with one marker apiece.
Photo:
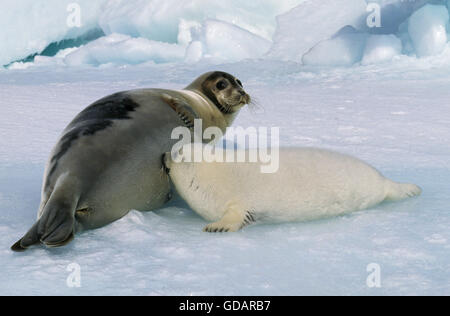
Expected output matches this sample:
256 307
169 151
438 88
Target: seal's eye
222 84
239 83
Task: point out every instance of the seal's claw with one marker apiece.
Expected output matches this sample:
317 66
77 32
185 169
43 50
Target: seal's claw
232 221
219 227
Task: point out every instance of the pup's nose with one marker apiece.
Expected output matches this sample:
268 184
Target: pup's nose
242 92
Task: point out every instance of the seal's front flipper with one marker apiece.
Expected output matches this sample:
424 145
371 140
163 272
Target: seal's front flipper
233 220
184 111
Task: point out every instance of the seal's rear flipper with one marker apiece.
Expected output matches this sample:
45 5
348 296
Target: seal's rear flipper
59 242
56 225
400 191
50 234
30 238
17 247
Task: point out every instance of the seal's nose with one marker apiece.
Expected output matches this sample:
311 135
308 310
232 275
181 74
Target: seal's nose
242 92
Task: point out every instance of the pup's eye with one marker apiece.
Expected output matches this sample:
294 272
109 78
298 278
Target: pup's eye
222 84
239 83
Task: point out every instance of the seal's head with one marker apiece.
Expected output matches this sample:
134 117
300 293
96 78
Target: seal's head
223 89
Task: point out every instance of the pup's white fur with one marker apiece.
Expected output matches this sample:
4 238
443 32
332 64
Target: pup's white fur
310 184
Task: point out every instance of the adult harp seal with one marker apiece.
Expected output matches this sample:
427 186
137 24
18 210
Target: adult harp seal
108 159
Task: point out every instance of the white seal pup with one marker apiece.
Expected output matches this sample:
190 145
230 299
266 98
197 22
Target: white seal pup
309 184
108 160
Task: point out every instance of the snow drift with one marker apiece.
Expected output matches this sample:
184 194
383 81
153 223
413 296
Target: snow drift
28 27
312 22
379 31
316 33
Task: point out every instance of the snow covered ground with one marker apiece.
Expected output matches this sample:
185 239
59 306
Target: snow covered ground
395 117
